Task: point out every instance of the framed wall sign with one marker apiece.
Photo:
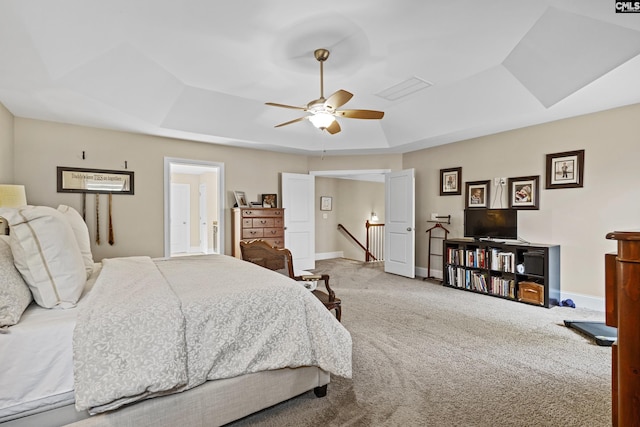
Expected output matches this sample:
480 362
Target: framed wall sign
450 181
565 170
477 194
524 192
325 203
81 180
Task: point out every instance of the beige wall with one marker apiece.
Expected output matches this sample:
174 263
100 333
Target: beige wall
326 221
577 219
139 219
6 146
368 162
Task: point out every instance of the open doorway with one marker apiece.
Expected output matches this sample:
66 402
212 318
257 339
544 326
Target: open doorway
357 195
193 208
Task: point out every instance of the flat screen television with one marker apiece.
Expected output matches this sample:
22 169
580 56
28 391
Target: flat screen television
491 223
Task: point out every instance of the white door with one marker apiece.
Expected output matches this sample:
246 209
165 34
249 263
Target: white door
399 228
298 201
179 218
204 235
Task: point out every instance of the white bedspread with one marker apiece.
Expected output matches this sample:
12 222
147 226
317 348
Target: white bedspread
36 360
152 327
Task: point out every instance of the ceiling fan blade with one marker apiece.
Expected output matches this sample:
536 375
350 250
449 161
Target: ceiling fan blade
333 127
338 99
273 104
360 114
299 119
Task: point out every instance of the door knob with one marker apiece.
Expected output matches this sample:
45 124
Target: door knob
408 228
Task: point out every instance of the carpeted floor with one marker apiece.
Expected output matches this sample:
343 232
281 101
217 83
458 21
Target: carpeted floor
427 355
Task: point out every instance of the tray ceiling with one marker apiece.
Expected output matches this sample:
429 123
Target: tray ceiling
202 70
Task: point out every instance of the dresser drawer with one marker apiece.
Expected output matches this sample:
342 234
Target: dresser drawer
252 233
269 212
276 243
531 292
262 222
273 232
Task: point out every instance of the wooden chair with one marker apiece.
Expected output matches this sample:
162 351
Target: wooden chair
279 259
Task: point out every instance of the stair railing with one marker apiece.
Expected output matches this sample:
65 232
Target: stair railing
366 251
374 249
375 242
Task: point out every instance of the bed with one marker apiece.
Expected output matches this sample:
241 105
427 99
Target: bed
201 340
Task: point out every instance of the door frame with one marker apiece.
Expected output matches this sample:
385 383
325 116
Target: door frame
168 161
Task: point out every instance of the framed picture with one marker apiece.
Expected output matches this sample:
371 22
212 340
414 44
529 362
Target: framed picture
325 203
565 170
477 194
81 180
241 199
269 201
450 181
524 192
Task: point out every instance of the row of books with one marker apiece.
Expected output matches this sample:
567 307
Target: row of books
492 258
502 287
474 280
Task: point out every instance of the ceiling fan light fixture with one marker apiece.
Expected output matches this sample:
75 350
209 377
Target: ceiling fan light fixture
322 120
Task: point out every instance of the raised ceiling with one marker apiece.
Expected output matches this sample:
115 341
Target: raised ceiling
202 70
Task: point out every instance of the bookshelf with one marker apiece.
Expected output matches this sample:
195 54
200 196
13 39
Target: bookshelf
527 273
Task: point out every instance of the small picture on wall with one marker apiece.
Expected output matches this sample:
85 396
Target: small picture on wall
477 194
523 192
269 201
565 170
450 181
325 203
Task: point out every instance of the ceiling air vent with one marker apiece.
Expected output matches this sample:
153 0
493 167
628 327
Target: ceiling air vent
405 88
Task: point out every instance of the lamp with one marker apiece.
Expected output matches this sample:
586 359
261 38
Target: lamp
322 120
374 217
11 196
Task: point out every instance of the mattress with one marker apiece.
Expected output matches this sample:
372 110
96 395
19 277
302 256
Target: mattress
36 360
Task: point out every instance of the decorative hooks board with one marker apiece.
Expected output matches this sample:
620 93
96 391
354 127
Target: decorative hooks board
82 180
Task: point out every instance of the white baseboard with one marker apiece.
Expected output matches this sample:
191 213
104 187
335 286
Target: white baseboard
329 255
422 272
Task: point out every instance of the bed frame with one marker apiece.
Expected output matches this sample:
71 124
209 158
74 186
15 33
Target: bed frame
213 403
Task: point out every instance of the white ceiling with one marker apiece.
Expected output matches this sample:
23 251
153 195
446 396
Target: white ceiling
202 69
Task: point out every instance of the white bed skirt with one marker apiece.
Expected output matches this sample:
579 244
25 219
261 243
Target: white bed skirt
213 403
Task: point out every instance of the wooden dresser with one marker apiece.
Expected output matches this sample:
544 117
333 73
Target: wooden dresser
622 296
258 223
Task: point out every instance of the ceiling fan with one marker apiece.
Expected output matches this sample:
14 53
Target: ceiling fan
324 111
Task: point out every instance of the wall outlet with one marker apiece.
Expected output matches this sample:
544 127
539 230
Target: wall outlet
434 217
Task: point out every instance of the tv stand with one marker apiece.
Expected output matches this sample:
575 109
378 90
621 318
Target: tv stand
523 272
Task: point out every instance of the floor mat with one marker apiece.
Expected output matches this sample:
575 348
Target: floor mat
603 335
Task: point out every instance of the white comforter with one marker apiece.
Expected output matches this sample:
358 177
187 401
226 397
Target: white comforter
152 327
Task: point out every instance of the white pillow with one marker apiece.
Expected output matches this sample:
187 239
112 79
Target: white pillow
47 255
15 296
81 233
